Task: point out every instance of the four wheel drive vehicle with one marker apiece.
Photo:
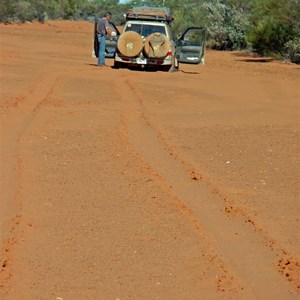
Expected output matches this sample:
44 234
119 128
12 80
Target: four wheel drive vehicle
147 41
110 45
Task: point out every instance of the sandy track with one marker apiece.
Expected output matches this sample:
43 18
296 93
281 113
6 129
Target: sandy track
121 184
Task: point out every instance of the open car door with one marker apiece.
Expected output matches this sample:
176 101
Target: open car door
96 44
190 48
110 45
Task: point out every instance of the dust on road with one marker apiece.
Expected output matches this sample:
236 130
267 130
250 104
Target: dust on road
119 184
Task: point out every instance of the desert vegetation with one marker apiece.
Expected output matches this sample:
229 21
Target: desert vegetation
267 27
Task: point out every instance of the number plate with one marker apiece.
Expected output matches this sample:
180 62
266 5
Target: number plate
141 61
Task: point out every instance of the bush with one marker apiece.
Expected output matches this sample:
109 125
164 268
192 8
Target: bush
293 50
25 11
270 36
226 25
7 11
275 23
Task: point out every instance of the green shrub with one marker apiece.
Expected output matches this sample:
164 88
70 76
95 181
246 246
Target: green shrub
24 11
275 23
270 36
227 26
293 50
7 11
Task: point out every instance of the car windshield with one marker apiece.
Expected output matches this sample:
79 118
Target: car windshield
145 30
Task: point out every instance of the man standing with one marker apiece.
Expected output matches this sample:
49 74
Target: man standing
103 30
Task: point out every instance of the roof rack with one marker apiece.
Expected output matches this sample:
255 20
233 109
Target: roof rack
150 13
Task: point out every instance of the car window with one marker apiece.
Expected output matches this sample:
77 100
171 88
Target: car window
149 29
134 27
193 37
114 30
145 30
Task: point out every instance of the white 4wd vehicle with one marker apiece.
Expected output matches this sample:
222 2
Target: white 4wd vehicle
147 42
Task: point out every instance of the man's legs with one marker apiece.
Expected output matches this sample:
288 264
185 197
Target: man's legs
101 53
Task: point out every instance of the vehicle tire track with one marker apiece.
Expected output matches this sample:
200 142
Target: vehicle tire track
18 116
226 282
287 263
193 194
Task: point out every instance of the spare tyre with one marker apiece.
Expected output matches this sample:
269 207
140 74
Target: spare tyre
157 45
130 44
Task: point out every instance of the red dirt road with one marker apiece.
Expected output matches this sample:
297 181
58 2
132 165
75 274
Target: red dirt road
119 184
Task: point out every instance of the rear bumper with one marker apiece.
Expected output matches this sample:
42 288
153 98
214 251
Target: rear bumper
143 61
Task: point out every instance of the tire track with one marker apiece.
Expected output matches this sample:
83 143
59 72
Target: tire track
18 116
287 263
223 283
18 101
194 195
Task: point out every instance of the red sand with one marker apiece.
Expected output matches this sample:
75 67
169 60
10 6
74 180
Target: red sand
119 184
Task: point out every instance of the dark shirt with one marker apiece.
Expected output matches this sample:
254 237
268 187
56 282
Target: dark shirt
102 25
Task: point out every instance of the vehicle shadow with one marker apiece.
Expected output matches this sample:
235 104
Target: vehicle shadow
137 69
252 57
256 60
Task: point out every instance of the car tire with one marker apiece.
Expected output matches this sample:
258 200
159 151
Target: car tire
157 45
130 44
